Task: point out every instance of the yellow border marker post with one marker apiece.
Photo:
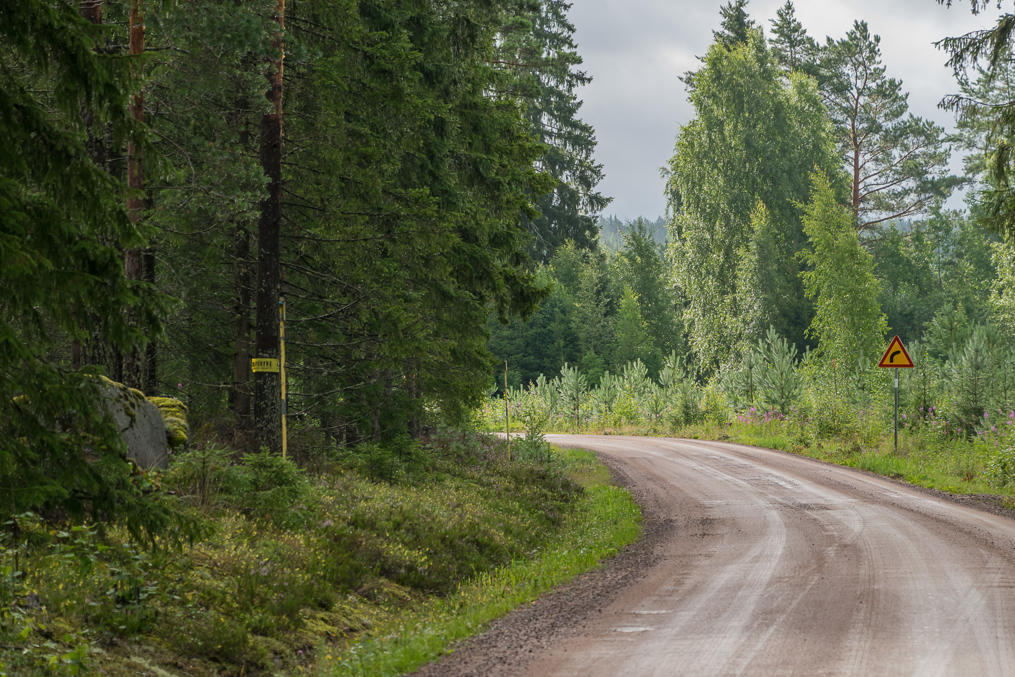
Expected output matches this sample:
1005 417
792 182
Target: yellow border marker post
281 368
896 358
507 416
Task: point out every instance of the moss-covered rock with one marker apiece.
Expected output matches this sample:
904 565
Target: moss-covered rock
174 415
139 422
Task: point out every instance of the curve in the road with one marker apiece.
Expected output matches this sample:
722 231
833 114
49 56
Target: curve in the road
765 563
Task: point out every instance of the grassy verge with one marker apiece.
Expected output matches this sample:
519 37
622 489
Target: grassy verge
380 558
981 465
604 520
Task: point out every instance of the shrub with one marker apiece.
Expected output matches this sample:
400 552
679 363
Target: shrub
714 406
1000 469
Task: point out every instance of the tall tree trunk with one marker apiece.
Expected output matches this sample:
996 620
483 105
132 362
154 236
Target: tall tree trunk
132 364
267 386
243 285
80 353
151 365
91 10
239 394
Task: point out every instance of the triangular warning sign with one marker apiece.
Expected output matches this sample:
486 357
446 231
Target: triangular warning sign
896 356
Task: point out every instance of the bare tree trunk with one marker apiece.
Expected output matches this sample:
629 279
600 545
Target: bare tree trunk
267 384
239 394
132 363
91 10
96 350
151 366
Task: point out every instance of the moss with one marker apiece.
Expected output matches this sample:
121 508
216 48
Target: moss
174 416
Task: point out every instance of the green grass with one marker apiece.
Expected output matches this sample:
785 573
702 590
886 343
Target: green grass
925 457
605 520
298 567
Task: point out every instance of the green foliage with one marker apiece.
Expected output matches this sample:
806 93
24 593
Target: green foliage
848 323
989 110
792 48
605 520
947 332
572 388
714 407
1000 470
729 160
540 60
1002 297
640 265
62 275
291 560
898 163
971 376
778 381
632 333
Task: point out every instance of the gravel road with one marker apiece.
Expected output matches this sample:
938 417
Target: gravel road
763 563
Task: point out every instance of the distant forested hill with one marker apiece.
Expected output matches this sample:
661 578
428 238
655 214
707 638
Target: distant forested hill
611 229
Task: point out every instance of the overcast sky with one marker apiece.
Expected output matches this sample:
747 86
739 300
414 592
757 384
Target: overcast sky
636 50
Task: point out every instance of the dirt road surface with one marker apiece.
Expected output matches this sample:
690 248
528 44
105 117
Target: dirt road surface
758 562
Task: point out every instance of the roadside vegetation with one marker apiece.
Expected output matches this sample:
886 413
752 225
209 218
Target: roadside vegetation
371 564
806 224
956 413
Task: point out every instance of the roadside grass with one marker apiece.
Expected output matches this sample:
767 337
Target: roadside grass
295 567
981 465
604 520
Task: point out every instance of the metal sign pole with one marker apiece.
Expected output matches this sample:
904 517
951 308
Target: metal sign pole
896 411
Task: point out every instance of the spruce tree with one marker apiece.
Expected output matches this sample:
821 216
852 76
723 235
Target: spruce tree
735 25
540 60
991 50
792 48
62 230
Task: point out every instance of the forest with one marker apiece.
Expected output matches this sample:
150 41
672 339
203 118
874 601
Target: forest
787 267
393 207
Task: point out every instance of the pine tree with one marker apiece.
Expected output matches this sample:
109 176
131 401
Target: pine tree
897 162
267 384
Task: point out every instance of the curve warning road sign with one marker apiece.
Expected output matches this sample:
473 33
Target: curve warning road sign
896 356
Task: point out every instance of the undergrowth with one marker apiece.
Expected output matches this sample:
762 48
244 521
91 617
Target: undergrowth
295 567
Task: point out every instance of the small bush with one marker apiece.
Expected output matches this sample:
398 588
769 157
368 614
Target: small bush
393 461
1000 469
714 406
203 475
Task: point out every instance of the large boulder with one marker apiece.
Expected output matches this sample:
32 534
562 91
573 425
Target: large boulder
140 424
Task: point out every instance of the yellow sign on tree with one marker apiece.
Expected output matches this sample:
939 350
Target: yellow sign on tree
268 364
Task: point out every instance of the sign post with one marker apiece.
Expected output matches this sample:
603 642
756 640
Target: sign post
507 416
281 368
896 358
